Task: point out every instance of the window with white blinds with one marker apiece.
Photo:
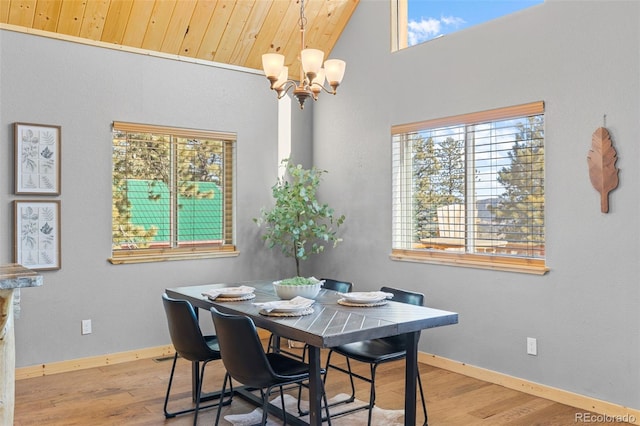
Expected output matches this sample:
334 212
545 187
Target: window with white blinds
469 190
172 193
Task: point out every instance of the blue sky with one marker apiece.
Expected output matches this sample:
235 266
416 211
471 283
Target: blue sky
429 19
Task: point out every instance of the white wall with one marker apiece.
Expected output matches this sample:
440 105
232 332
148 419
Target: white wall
83 89
583 60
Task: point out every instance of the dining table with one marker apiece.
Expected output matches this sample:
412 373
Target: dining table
329 323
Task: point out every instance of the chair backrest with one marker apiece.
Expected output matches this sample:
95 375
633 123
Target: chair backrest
402 296
405 296
242 352
184 330
339 286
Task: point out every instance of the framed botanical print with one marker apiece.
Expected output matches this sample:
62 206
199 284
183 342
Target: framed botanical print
37 234
37 159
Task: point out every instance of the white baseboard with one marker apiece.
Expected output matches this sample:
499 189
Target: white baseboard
611 412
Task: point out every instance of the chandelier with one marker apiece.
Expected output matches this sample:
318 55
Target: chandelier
312 75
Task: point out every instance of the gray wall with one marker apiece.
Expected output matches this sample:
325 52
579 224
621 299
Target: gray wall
580 58
83 89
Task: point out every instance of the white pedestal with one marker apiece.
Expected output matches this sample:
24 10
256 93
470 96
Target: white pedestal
7 358
12 276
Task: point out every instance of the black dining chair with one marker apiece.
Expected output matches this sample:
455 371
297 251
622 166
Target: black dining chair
190 344
246 361
339 286
375 352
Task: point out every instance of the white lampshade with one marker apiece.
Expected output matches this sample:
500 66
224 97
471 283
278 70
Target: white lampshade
282 78
272 64
319 78
334 69
311 60
317 83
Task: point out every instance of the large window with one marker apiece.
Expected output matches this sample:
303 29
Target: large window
172 193
418 21
469 190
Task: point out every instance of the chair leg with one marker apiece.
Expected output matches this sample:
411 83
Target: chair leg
265 406
284 411
199 393
271 345
348 372
197 408
221 402
353 386
372 392
166 398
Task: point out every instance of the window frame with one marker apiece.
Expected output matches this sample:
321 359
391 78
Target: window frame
187 251
400 24
528 265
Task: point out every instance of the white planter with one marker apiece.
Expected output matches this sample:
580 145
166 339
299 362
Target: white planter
287 292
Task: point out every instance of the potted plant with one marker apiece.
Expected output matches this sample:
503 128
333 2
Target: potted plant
298 223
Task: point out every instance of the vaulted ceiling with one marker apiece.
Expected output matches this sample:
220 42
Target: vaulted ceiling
233 32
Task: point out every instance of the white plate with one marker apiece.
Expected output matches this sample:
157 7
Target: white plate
287 306
364 297
236 291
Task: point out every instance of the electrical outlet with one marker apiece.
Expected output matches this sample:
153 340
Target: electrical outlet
532 346
86 326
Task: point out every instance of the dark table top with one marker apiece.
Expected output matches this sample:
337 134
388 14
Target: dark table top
330 324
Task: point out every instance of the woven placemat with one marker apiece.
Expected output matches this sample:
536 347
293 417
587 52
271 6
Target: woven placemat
236 298
299 313
345 302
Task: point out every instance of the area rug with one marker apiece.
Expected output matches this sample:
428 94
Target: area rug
379 416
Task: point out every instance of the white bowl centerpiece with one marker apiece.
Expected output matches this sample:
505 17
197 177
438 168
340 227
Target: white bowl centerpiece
297 286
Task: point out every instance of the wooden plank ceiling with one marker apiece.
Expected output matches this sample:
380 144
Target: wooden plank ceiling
233 32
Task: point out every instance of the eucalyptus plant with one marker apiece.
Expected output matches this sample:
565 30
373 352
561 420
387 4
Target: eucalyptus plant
298 223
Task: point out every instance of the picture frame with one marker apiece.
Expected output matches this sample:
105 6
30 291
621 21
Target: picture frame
37 234
37 159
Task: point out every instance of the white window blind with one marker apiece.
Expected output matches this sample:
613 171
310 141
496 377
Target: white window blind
471 185
172 189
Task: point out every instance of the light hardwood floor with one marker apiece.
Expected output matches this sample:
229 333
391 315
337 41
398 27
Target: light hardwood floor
132 393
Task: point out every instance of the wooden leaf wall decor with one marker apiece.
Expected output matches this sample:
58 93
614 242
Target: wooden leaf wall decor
603 172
